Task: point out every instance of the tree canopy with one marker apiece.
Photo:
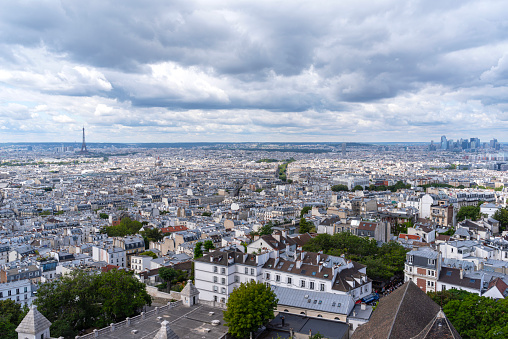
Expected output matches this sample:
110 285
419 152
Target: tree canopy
266 229
81 300
474 316
208 245
306 226
152 235
339 188
11 315
249 307
198 250
150 254
382 262
125 227
305 210
469 212
501 215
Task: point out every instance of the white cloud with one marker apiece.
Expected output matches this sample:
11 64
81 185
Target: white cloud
182 71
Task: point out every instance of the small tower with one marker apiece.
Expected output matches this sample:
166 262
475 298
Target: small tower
83 145
189 294
166 332
34 325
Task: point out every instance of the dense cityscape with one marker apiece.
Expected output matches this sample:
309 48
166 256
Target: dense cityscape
253 169
330 228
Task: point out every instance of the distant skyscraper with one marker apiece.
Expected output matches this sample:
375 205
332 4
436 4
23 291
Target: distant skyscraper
444 142
343 149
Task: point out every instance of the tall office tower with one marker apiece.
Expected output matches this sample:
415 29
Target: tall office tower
444 142
343 149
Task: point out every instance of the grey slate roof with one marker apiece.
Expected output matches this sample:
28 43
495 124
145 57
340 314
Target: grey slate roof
166 332
33 323
403 314
318 301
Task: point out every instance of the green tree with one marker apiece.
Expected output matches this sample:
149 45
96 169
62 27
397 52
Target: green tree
168 274
469 212
11 315
81 300
382 262
478 317
305 210
125 227
150 254
198 250
208 245
153 234
306 226
339 188
249 307
121 295
103 215
266 229
357 188
501 215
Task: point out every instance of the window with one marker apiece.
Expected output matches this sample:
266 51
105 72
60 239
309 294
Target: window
215 288
410 259
1 294
302 283
215 279
289 280
215 269
251 271
322 287
432 261
223 290
237 278
311 285
246 270
277 277
215 298
9 293
223 270
223 281
17 290
267 276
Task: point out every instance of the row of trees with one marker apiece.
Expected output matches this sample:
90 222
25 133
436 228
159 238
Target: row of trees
382 262
474 316
82 300
372 187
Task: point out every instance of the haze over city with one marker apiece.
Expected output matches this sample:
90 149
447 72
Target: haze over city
232 71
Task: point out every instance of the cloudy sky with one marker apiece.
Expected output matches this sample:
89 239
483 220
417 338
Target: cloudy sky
211 70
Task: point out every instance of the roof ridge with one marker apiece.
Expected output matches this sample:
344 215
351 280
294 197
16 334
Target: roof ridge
398 309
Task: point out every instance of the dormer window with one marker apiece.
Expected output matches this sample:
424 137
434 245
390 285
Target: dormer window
410 259
432 261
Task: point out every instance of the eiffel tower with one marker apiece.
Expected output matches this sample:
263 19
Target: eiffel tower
83 145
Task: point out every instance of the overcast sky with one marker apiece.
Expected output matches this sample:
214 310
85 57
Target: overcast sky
176 71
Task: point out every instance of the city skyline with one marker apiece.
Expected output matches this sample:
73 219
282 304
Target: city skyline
197 71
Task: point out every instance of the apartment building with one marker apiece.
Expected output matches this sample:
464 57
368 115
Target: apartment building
219 272
423 267
18 291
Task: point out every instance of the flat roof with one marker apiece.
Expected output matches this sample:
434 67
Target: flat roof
186 322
